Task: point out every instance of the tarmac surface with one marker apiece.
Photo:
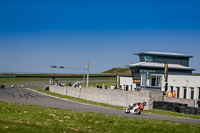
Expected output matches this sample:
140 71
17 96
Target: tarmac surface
26 96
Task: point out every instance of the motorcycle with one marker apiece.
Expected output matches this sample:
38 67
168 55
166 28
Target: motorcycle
135 108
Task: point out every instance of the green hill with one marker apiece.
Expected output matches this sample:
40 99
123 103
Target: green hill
121 71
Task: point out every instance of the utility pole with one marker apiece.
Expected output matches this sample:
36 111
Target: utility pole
88 73
84 77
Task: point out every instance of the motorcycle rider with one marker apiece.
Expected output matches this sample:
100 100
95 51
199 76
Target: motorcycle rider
134 107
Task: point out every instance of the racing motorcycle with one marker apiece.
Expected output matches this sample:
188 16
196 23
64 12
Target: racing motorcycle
135 108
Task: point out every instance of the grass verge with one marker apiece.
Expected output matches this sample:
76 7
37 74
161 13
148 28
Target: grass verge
18 118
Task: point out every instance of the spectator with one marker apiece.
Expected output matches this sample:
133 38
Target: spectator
169 94
198 102
115 87
12 86
2 86
69 84
120 87
104 86
174 94
97 86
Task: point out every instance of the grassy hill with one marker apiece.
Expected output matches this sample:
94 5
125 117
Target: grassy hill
121 71
196 74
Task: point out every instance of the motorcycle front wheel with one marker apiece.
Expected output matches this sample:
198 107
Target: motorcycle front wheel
127 111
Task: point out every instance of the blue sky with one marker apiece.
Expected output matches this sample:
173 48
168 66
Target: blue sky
35 34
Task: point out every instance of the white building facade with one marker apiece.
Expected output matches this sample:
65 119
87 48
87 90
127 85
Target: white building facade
149 75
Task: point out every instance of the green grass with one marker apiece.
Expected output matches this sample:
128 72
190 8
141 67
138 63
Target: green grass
11 80
155 111
121 71
18 118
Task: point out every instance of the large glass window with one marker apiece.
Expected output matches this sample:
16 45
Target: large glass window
151 81
148 58
161 59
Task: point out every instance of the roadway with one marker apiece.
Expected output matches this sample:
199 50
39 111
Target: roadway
26 96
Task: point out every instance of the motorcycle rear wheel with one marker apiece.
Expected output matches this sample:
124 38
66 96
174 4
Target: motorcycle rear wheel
137 111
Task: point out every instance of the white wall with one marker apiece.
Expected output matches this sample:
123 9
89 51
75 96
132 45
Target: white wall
187 81
127 81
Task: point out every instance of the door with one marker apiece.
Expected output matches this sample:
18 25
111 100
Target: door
178 91
185 92
153 81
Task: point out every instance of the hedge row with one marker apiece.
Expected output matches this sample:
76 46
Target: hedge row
176 107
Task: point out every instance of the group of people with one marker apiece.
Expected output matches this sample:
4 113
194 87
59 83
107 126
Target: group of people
171 94
104 86
77 85
3 86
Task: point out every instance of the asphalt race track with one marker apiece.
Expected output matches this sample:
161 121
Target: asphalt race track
26 96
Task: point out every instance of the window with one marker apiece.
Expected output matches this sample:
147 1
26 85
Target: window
148 58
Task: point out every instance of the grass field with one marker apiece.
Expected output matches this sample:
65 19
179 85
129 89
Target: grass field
18 118
30 79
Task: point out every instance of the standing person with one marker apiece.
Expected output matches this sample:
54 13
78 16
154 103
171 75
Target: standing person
2 86
106 87
12 86
169 94
174 94
70 84
198 102
103 86
97 86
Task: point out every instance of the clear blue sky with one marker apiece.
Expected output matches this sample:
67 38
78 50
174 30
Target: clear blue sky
35 34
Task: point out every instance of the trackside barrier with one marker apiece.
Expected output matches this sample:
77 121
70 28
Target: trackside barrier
176 107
